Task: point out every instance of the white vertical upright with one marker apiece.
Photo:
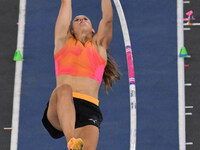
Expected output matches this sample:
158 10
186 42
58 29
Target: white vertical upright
181 77
18 77
133 114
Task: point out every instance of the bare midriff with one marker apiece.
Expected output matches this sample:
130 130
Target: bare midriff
83 85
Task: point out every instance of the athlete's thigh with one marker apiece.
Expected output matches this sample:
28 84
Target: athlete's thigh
90 136
52 111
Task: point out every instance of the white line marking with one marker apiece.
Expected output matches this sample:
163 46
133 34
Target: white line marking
21 23
186 2
18 75
187 29
188 84
189 143
7 128
189 56
181 77
188 107
188 114
192 24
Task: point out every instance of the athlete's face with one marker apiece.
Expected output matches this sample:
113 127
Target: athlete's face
83 23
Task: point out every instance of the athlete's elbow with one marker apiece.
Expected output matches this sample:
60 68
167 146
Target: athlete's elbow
108 18
107 22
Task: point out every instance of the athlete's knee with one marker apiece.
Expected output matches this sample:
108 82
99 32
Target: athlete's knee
64 90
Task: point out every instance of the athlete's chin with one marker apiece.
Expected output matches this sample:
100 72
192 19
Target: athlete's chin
85 27
83 24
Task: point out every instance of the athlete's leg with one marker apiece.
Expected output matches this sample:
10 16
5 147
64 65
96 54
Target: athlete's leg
90 136
61 111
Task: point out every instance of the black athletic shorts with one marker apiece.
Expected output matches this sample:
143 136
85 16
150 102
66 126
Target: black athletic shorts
87 113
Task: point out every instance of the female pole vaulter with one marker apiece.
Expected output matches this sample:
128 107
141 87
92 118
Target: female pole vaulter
82 60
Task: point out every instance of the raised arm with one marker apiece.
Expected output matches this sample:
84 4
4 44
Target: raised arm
62 28
104 34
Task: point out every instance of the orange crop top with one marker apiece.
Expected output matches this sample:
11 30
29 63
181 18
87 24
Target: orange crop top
77 59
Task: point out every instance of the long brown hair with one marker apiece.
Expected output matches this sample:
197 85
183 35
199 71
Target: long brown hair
111 73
